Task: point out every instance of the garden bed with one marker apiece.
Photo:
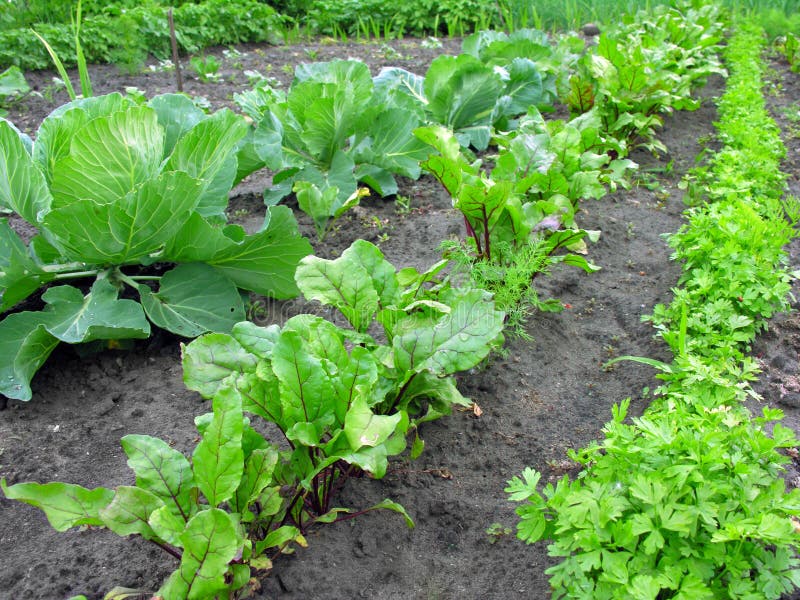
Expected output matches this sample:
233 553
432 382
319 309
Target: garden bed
545 396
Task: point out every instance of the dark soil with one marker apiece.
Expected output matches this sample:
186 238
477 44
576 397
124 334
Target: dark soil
778 349
545 396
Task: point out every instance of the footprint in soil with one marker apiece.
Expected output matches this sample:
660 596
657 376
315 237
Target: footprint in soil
365 545
448 518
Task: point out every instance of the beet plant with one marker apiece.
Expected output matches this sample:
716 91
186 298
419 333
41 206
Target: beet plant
510 239
343 400
555 165
647 67
225 513
789 46
118 194
344 397
409 333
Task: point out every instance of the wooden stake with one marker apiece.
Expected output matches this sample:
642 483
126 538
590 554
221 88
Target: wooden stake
175 61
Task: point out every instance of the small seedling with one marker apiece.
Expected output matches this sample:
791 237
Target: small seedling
791 113
403 205
498 531
256 310
49 91
162 67
389 53
135 94
431 43
207 68
234 58
12 87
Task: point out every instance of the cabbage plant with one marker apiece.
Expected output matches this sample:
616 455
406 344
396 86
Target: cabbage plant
332 130
128 201
468 96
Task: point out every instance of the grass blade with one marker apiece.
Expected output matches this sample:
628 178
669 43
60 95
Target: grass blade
59 66
83 72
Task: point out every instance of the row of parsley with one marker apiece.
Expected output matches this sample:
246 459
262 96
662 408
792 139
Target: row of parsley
688 500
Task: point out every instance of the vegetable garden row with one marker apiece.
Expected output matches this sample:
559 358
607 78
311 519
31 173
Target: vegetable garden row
689 497
120 189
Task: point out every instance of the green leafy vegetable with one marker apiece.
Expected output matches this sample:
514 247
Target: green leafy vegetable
226 513
330 131
341 406
65 505
645 68
184 507
647 501
12 85
520 215
343 401
462 93
114 187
